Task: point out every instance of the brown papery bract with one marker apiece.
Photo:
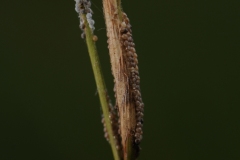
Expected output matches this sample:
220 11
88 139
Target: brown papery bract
124 65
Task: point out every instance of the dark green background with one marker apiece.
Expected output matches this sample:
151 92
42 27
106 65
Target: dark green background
189 66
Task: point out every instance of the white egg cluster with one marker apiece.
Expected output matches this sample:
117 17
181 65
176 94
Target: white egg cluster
84 7
90 21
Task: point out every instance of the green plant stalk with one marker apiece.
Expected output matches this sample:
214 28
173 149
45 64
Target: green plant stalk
101 88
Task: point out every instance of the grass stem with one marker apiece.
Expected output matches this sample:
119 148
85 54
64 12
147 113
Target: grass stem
101 88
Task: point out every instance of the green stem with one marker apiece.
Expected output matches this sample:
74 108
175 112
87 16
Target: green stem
101 88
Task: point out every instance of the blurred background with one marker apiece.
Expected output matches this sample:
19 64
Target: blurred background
189 67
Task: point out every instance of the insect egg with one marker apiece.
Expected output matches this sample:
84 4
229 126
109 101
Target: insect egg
82 26
117 147
133 64
103 121
135 60
137 141
135 55
139 124
125 43
124 36
137 135
133 85
133 49
137 82
89 15
136 72
139 119
138 103
130 58
139 129
95 38
88 4
83 35
137 92
137 98
124 15
111 116
138 109
140 114
128 48
133 79
123 25
129 26
106 136
130 39
105 129
137 87
129 34
123 30
132 69
129 53
89 10
126 20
